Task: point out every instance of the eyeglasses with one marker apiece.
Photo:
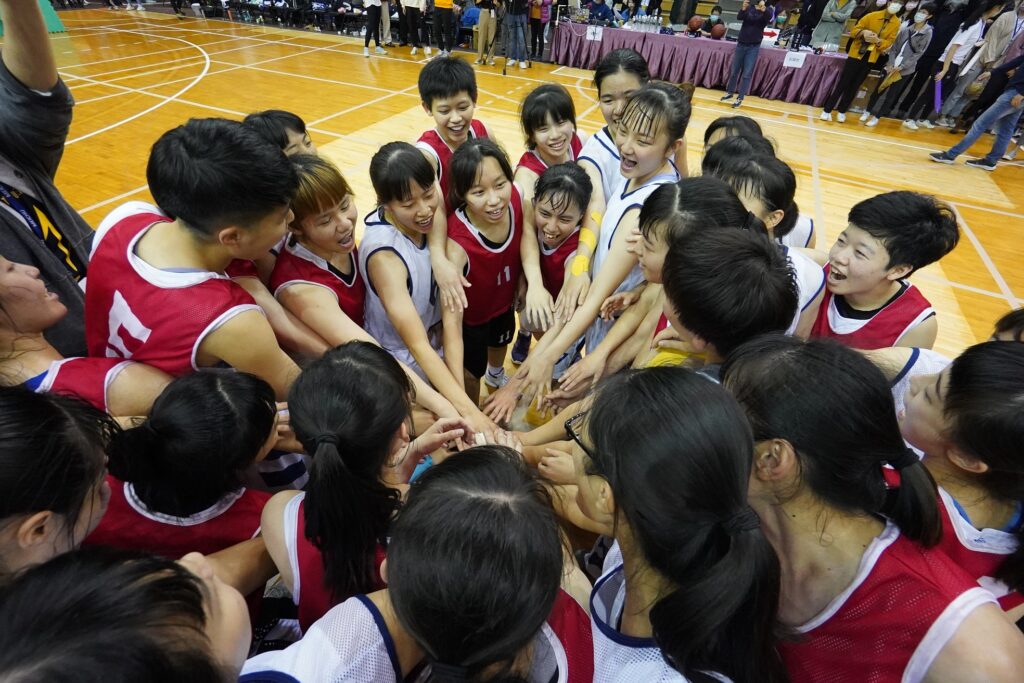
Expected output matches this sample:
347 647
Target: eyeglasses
571 426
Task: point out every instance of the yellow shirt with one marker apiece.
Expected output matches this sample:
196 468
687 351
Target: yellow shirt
885 25
443 4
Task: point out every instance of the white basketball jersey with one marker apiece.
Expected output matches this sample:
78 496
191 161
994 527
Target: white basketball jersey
801 234
349 644
601 151
620 658
810 280
621 201
380 235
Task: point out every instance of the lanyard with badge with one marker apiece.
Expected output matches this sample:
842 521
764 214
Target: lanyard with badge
28 216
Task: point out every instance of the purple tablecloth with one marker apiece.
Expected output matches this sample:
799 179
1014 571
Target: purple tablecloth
703 62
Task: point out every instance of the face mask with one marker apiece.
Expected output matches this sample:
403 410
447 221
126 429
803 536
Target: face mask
713 18
920 17
895 7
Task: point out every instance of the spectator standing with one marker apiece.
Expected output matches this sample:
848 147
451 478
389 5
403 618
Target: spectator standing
911 42
1005 28
372 27
1002 117
810 15
871 38
385 22
747 48
713 20
418 34
515 31
486 29
995 84
948 65
540 15
833 19
37 225
444 19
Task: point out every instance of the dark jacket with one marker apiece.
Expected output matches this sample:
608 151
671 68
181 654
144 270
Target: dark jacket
754 21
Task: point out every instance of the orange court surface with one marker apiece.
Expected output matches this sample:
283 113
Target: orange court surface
136 74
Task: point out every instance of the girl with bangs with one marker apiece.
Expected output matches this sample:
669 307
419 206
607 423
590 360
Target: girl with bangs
647 136
316 277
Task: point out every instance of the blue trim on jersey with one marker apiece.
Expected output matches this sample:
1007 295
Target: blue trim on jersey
1011 526
610 632
810 235
816 293
408 273
653 181
614 152
915 353
596 165
616 228
389 643
267 677
34 383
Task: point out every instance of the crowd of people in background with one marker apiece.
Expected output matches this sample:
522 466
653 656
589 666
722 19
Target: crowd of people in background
241 441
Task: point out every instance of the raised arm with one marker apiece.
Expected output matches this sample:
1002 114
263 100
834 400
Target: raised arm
26 50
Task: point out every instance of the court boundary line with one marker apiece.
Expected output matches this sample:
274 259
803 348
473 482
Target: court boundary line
993 270
182 91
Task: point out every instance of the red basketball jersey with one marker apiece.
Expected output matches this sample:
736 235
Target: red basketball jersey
432 142
570 622
493 269
531 159
85 378
314 598
904 605
883 329
980 553
552 262
129 524
663 324
297 265
154 316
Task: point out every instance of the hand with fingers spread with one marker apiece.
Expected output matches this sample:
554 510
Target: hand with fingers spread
535 374
617 303
584 373
573 294
557 467
500 405
539 308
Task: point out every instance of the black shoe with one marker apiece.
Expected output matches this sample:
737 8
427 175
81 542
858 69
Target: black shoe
726 97
982 164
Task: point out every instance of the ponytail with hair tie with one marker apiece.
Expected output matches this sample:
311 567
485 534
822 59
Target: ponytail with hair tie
326 438
449 672
743 520
904 460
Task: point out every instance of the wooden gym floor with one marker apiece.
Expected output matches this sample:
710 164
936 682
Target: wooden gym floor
136 74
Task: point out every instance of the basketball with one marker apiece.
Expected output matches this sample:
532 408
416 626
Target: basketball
718 31
694 24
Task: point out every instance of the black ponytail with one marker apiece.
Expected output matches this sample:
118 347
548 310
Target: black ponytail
346 409
475 564
696 203
677 453
984 405
763 176
203 430
802 392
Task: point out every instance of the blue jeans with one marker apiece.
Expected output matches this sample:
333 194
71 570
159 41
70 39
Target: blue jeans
743 61
515 37
1001 117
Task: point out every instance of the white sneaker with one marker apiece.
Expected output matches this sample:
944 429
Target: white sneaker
864 117
522 65
496 382
925 123
366 52
912 125
415 50
379 51
872 122
841 117
426 51
826 116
